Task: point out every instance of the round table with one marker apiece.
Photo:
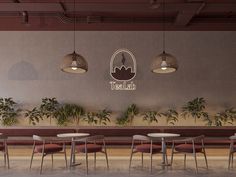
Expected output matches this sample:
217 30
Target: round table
163 136
72 136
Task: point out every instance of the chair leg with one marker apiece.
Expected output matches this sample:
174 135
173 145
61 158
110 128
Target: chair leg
142 159
107 159
86 163
185 161
65 158
52 160
205 159
130 160
172 157
8 164
5 158
41 167
31 161
232 163
195 158
71 154
229 160
95 158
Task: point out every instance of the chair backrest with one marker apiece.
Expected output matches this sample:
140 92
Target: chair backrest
3 137
37 138
233 137
198 138
141 138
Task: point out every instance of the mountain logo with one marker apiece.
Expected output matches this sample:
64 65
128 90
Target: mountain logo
123 69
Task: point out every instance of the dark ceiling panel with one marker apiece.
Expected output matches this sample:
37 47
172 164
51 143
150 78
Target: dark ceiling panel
117 14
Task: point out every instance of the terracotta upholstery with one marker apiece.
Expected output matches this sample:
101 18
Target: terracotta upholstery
145 148
188 148
49 148
91 148
2 147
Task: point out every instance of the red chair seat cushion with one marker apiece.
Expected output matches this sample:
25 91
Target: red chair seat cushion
145 148
49 148
90 148
188 148
2 147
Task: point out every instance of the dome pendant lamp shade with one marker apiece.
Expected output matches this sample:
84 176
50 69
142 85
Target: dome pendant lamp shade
164 63
74 63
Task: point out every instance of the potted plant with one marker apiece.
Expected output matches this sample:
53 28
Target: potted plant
91 118
196 109
49 107
34 115
103 116
171 116
227 116
128 115
76 112
8 111
151 116
62 115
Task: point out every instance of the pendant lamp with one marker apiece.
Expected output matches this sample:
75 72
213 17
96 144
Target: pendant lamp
73 62
165 62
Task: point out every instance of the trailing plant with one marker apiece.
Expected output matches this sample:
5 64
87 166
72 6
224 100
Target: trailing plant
128 115
34 115
171 116
196 109
91 118
228 116
103 116
8 111
63 115
49 107
151 116
76 112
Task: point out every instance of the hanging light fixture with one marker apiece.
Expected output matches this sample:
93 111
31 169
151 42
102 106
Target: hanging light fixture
164 63
73 62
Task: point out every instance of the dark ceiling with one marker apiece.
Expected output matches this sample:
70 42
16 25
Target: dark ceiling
186 15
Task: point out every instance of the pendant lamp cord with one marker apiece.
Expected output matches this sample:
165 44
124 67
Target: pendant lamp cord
74 25
163 26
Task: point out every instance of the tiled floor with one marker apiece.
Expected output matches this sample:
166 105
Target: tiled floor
118 168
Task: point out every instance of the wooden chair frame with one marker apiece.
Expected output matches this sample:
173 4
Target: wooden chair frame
231 151
45 141
142 139
3 140
94 140
192 141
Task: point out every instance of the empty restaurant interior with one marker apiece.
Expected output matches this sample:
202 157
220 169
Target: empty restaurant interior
117 87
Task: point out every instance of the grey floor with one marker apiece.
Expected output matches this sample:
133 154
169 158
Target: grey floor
118 168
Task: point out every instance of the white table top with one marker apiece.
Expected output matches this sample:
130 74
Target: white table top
72 135
162 135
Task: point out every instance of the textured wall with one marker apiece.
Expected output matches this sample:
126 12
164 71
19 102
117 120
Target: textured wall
30 62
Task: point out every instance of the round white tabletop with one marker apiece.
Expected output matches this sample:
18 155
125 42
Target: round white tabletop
72 135
162 135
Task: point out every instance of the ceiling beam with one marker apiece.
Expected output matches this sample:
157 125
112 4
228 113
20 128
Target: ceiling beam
184 17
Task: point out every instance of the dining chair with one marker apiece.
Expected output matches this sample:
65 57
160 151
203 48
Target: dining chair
232 150
92 144
145 145
48 146
4 150
189 146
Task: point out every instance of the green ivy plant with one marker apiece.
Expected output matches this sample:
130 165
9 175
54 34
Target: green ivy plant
8 111
49 107
34 115
91 118
228 116
171 116
196 109
151 116
103 116
128 115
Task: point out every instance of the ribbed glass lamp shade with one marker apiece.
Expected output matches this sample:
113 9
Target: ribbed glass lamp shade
74 63
164 63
